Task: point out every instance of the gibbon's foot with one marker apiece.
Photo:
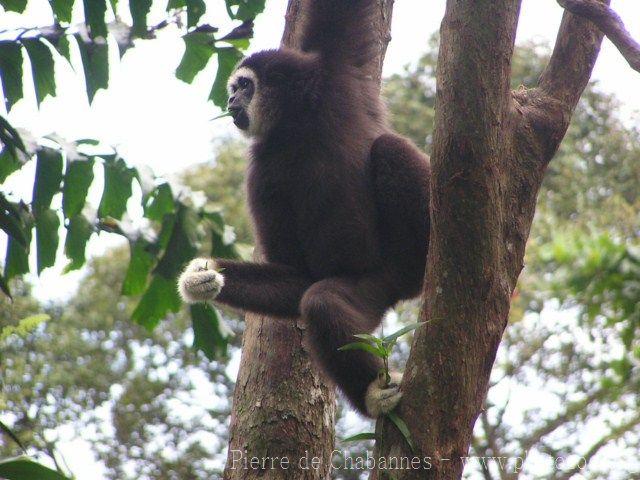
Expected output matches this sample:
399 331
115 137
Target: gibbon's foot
200 282
381 398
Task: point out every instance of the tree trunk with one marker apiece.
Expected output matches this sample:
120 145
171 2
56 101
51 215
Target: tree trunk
282 407
491 148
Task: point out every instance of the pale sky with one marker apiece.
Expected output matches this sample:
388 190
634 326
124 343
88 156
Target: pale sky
156 120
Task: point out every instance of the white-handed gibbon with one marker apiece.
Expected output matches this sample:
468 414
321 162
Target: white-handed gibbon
339 202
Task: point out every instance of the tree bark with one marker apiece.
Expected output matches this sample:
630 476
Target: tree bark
282 406
491 148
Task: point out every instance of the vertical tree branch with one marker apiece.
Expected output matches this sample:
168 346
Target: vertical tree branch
467 292
490 153
282 406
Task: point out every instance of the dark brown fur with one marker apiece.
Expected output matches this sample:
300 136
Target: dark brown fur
340 204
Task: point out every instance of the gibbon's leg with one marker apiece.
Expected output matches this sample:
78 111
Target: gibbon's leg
335 310
266 288
400 177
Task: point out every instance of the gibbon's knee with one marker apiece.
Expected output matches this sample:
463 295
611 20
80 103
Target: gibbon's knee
326 307
333 318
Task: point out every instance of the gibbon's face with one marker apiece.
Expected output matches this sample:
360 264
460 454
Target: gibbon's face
242 87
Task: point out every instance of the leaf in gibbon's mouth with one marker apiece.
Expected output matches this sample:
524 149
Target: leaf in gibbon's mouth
222 115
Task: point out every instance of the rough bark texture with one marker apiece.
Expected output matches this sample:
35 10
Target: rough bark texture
282 407
491 148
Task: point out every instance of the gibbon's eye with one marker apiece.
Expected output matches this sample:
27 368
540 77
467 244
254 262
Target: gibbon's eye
243 82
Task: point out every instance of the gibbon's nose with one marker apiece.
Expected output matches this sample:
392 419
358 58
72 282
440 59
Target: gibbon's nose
230 101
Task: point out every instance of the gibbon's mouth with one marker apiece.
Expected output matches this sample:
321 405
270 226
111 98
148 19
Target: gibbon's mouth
240 118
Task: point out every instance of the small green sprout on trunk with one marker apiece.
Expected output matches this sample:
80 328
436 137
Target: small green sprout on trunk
381 347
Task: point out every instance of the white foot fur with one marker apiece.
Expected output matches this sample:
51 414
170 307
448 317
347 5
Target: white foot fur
381 398
200 282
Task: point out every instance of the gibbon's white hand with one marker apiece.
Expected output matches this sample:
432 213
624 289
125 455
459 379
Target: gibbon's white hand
381 398
200 281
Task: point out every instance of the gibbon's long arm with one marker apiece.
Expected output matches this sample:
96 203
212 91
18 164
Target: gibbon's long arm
341 31
267 288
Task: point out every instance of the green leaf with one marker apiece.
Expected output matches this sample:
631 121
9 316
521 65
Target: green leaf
14 5
17 256
4 286
182 245
139 10
394 336
239 43
404 430
367 347
79 231
47 224
160 298
360 436
11 72
95 64
176 4
47 179
11 220
16 259
165 231
9 433
195 9
77 180
23 468
62 9
63 46
42 68
208 332
12 227
9 163
117 188
246 10
159 203
222 115
94 11
13 154
10 137
141 261
198 49
369 338
228 58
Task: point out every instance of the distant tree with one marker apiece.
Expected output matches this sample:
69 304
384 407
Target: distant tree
131 393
